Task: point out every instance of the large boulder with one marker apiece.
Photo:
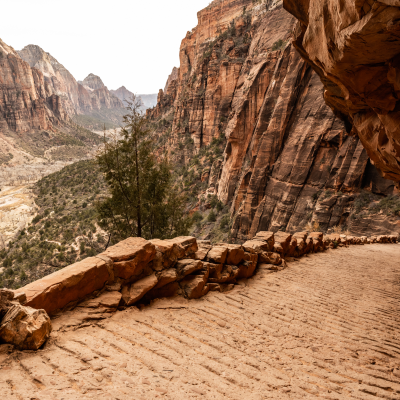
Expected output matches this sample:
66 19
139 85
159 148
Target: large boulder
217 254
266 237
25 327
187 267
195 286
301 239
235 254
282 243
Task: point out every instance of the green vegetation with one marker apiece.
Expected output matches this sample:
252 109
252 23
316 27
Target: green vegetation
5 158
69 141
279 44
64 230
97 120
142 200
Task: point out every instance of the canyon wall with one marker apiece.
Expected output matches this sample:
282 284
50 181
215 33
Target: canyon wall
289 160
81 97
355 49
25 101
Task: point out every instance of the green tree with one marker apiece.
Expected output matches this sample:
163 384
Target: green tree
142 199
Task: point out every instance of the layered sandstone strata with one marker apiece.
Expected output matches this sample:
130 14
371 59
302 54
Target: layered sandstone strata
289 160
77 97
355 49
25 101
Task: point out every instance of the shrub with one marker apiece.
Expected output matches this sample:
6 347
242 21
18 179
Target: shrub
278 45
212 217
225 220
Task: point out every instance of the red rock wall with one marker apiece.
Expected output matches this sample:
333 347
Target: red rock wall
285 146
83 97
25 102
355 49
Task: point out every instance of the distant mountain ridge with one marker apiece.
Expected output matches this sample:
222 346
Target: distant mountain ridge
83 97
148 100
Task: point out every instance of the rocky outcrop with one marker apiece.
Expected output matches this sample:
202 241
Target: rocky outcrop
58 79
355 50
289 160
92 82
83 97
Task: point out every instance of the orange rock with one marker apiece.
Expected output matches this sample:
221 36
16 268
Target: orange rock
130 256
235 254
357 56
70 284
25 327
217 254
133 293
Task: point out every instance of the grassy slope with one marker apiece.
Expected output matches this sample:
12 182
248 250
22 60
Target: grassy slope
63 232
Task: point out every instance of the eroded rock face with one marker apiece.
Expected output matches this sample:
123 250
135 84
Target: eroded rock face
356 51
25 100
289 160
76 97
25 327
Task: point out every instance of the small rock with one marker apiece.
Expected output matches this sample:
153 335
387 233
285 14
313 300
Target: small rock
161 390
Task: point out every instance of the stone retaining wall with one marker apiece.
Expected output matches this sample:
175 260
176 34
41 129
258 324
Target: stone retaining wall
140 270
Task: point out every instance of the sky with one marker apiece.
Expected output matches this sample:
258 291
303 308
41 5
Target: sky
134 43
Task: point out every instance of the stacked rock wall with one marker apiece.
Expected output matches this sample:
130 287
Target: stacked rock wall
137 271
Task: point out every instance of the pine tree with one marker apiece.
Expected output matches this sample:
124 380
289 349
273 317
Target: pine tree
142 200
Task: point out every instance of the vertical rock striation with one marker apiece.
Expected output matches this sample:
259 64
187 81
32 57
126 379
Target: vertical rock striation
289 160
25 101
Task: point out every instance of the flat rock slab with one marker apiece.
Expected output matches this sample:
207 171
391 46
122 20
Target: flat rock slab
71 283
326 327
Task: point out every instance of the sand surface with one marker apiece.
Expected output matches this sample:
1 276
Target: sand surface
325 328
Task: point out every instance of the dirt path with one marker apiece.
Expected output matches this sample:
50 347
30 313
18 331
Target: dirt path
327 327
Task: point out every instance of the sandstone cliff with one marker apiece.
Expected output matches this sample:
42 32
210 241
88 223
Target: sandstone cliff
288 160
88 97
34 123
25 102
355 49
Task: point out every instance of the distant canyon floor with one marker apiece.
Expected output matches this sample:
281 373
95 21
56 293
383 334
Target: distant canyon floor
326 327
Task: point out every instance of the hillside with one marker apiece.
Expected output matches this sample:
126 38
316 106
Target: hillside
64 229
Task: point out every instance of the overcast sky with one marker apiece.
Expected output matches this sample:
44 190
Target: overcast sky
134 43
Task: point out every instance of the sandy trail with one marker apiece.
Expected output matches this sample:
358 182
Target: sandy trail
327 327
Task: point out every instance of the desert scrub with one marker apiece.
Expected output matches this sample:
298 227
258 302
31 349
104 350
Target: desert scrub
66 217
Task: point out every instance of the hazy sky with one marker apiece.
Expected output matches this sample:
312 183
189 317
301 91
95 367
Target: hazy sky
134 43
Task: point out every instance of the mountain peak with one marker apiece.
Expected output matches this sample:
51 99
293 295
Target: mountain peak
93 81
